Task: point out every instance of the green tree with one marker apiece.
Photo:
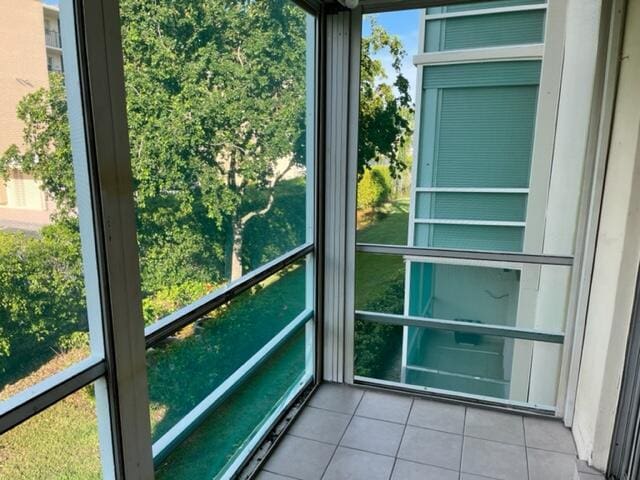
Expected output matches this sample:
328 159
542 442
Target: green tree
216 109
386 108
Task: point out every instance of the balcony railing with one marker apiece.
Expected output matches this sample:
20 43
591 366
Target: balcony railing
52 38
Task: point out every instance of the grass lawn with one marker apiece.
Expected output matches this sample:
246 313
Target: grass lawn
375 272
59 443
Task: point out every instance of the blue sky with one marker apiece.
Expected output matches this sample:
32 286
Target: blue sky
405 24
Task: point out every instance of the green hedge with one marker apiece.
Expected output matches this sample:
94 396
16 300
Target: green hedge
374 187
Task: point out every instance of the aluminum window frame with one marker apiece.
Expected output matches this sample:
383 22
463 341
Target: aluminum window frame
117 365
554 38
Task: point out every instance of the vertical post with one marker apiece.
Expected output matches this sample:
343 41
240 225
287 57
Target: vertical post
353 105
310 157
337 76
103 90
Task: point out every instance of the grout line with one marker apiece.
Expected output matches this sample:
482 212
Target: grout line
464 427
279 474
573 454
526 453
401 438
498 441
342 436
327 410
380 420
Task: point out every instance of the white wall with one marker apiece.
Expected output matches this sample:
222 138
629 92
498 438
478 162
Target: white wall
616 264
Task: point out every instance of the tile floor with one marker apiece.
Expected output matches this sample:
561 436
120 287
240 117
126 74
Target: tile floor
353 433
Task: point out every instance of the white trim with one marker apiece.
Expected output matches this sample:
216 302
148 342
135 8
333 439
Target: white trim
488 223
86 215
413 199
485 11
465 397
32 400
532 51
599 141
469 190
353 111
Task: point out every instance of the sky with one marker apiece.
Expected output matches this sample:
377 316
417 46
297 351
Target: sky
405 24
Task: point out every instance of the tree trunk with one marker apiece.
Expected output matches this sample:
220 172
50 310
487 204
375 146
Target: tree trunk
235 267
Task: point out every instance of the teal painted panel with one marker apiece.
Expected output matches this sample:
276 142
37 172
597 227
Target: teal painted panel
483 5
421 293
479 365
486 74
470 237
513 28
506 207
484 137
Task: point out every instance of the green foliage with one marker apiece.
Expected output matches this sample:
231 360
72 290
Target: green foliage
385 117
374 187
47 153
167 300
73 341
286 222
42 299
376 344
185 370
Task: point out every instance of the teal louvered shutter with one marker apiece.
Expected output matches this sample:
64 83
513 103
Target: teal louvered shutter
476 141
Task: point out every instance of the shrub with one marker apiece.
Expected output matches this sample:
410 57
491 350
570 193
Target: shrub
169 299
374 187
41 297
376 344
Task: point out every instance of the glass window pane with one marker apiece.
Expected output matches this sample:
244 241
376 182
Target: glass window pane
385 152
475 364
48 281
228 432
186 368
60 442
490 293
220 115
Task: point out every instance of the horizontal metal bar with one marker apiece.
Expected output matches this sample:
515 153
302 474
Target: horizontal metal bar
470 190
165 444
181 318
465 254
457 397
483 223
445 373
485 11
474 55
42 395
466 327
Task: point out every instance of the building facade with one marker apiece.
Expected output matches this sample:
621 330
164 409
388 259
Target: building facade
31 33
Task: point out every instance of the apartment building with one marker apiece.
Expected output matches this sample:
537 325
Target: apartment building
32 31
